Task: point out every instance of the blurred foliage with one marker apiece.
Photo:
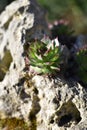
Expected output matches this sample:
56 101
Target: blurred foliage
61 29
81 59
73 10
64 32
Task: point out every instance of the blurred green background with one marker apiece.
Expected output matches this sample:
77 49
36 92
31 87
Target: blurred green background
73 10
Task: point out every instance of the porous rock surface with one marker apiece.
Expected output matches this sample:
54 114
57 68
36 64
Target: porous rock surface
52 104
63 104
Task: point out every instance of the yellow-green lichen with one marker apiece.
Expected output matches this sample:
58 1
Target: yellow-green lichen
5 64
33 124
13 124
7 23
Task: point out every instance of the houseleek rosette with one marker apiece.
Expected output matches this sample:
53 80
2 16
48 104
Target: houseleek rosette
44 57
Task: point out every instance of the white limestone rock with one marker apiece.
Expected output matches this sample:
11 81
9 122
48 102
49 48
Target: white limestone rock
18 23
81 126
63 104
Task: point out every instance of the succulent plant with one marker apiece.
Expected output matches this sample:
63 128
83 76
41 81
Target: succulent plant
61 28
44 57
81 58
63 31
